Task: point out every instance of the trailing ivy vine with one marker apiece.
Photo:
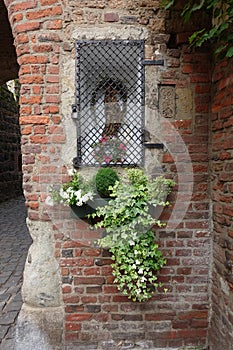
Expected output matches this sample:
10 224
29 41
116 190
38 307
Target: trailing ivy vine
219 32
128 222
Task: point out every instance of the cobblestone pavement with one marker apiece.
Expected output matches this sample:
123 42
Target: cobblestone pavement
14 244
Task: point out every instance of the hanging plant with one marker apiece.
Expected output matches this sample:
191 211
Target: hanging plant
135 266
128 223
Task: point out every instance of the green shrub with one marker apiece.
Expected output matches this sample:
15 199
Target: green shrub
105 178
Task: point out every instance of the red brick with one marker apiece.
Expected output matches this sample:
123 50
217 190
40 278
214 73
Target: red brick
91 271
89 280
193 315
31 99
42 48
191 333
22 6
88 299
92 252
187 68
34 120
33 59
78 317
27 27
16 18
39 139
160 316
199 78
48 2
54 24
52 79
66 289
111 17
72 326
48 12
52 109
71 299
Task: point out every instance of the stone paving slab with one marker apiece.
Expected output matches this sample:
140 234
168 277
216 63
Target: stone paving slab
14 244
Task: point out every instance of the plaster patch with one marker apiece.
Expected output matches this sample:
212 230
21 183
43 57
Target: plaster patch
108 32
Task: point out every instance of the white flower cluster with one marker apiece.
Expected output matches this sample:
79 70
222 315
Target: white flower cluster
70 196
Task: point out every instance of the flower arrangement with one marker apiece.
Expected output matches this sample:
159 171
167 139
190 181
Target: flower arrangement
109 149
78 191
128 224
129 237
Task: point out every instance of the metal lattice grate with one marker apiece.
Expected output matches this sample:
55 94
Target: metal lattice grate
110 100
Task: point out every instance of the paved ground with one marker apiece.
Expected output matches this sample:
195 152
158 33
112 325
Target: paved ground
14 244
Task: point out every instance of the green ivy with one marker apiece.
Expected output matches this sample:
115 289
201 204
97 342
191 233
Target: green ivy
128 221
135 266
220 31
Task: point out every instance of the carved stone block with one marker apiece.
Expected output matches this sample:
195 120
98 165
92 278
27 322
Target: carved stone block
167 101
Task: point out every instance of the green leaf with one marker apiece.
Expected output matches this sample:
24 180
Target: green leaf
196 36
229 52
167 4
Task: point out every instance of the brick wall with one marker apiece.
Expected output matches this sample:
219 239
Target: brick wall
37 42
220 335
95 313
10 156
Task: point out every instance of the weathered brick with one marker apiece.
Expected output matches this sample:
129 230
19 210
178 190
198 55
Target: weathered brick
48 12
26 27
89 280
111 17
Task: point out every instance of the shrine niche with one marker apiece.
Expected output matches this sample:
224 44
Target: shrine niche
109 108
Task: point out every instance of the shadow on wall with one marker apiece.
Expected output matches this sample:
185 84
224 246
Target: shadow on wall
10 153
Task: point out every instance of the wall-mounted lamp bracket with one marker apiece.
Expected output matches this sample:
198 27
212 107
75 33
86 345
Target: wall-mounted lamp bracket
74 114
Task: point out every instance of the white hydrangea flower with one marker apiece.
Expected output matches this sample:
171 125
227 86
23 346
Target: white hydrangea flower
140 271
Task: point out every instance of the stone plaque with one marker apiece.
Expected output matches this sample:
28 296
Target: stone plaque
167 101
184 103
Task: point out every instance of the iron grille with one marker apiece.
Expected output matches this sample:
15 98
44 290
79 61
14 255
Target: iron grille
110 102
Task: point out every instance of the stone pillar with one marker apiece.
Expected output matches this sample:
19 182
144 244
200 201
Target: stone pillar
40 321
36 29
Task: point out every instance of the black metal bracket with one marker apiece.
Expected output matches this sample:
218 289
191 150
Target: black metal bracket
153 62
154 145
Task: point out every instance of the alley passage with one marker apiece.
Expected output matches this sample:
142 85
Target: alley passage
14 244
